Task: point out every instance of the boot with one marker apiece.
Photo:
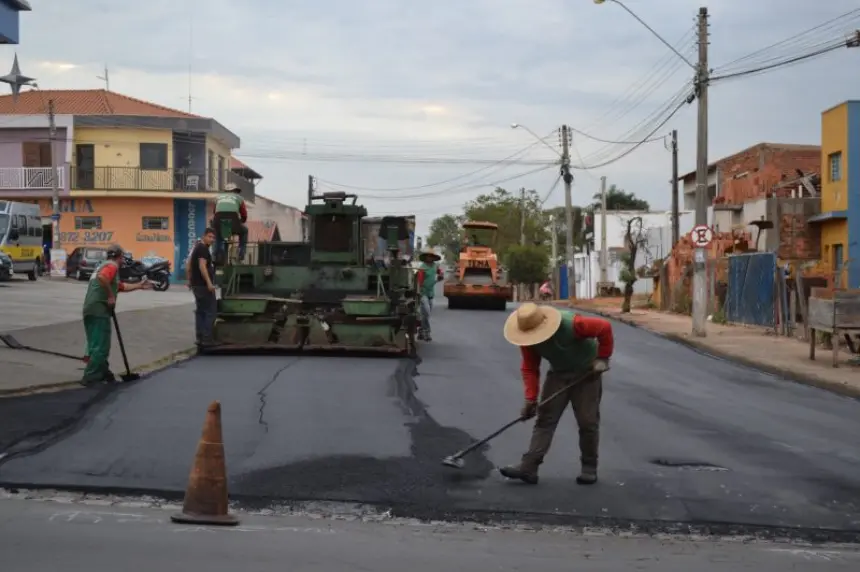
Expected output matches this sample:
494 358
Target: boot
587 476
519 472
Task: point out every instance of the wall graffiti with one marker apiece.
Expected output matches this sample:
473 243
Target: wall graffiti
86 237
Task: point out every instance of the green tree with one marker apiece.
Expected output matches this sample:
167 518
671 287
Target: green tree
446 234
505 209
579 219
527 264
620 200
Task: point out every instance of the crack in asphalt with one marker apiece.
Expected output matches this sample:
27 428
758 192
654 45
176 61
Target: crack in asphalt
262 393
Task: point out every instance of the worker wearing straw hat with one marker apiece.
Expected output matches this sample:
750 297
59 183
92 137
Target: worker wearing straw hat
428 275
578 349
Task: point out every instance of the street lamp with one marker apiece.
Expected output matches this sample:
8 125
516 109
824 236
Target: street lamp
536 136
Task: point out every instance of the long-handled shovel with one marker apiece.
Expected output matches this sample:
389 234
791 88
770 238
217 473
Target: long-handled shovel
128 375
455 461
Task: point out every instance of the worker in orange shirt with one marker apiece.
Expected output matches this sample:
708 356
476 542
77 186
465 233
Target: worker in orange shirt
577 349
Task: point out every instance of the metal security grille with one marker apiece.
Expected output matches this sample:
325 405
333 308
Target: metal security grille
750 297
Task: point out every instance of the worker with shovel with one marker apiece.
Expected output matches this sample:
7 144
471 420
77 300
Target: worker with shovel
428 274
99 304
578 349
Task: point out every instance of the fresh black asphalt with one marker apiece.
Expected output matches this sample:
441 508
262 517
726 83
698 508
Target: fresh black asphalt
686 438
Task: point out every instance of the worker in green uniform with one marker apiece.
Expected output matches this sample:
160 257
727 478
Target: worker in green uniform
99 304
427 277
231 206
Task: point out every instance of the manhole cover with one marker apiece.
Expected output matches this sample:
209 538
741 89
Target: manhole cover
687 464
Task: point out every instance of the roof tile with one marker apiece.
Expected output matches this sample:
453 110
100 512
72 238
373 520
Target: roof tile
85 102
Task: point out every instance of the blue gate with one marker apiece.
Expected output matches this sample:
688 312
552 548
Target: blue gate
750 296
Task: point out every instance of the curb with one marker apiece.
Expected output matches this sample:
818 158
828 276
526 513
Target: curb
146 369
789 374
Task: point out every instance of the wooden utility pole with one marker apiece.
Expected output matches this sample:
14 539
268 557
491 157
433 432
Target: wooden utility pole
522 216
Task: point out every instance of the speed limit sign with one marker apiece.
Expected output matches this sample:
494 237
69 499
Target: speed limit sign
701 235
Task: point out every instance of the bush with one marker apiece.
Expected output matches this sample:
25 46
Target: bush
527 264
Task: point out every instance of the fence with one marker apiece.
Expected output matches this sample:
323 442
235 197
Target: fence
750 297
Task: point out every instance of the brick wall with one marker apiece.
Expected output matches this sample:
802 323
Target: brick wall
764 166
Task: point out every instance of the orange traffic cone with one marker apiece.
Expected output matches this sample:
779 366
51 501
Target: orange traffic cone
206 495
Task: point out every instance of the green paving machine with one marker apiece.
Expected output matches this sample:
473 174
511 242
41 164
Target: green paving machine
328 294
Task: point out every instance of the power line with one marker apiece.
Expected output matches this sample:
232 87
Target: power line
657 128
786 62
798 38
437 183
459 188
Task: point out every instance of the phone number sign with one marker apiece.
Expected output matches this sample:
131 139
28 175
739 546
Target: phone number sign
86 236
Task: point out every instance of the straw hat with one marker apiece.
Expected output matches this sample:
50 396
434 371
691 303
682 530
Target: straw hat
531 324
429 252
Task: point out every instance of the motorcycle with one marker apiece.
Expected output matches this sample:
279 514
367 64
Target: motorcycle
134 271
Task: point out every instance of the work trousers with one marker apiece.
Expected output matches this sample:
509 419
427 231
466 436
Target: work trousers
584 398
98 332
426 308
205 310
238 228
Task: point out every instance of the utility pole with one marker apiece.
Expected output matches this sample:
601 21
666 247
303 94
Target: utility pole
55 183
604 253
700 289
310 188
554 229
522 216
568 210
676 223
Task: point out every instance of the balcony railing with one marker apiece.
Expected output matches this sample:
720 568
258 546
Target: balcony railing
30 178
137 179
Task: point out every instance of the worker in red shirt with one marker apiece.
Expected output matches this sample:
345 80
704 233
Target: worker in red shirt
578 349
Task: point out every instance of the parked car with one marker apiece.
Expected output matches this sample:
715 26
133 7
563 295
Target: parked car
5 267
83 261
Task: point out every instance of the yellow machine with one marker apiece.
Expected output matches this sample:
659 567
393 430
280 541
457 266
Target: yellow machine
478 281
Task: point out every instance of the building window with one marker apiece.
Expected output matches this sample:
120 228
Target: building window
834 162
88 223
838 259
155 223
36 154
153 156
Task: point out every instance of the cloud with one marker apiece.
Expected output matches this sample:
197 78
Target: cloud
307 85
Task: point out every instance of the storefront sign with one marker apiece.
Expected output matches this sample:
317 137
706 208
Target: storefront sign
153 237
66 206
86 237
189 219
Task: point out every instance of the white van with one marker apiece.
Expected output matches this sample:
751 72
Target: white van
21 236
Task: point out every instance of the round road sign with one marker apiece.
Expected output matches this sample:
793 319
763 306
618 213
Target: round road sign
702 235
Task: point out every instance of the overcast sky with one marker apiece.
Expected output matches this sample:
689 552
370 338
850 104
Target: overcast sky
439 83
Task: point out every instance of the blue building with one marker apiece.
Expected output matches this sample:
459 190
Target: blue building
9 20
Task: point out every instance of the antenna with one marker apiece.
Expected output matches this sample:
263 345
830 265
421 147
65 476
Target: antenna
105 78
190 51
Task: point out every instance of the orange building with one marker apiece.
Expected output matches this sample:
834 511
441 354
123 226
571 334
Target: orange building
128 171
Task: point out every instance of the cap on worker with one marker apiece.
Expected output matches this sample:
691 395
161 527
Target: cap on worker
114 250
232 188
531 324
428 252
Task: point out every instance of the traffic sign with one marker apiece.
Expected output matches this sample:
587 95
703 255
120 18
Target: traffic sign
701 235
55 217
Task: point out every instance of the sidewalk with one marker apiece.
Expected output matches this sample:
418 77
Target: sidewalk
751 346
153 337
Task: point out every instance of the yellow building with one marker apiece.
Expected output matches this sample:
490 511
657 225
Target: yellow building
130 171
839 220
